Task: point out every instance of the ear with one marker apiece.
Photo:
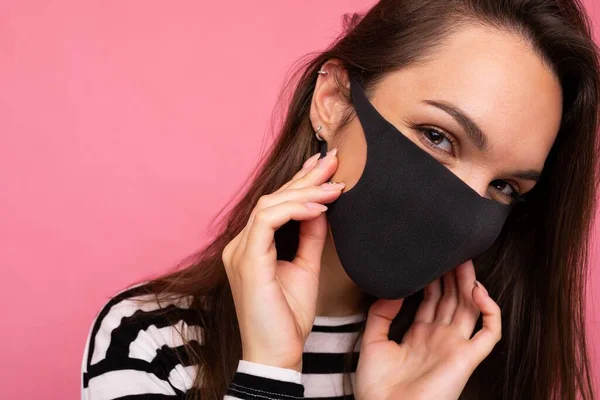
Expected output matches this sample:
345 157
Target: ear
328 104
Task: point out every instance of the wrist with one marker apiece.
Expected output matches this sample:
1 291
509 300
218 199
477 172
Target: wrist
286 363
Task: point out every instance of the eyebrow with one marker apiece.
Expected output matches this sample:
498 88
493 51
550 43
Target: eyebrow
476 135
530 175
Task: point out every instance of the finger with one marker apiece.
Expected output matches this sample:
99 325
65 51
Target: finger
262 231
447 304
230 250
323 166
311 241
380 317
491 332
324 193
321 172
431 296
467 313
309 164
317 174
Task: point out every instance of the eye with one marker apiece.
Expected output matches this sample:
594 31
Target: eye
437 139
508 192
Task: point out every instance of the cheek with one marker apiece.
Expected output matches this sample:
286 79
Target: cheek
352 154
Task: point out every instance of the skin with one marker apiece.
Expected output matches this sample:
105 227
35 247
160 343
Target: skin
517 105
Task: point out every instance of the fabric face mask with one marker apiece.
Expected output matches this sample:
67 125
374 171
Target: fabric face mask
409 219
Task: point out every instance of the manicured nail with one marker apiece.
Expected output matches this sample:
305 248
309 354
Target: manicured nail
330 185
330 153
311 162
316 206
477 283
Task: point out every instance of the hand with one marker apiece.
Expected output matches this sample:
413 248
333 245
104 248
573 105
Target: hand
275 300
436 356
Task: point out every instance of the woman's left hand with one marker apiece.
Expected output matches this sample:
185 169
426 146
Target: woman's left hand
437 354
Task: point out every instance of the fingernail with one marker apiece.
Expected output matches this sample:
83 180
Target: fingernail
330 185
330 153
316 206
477 283
311 162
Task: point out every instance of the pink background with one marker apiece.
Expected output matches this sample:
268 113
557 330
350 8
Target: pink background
124 127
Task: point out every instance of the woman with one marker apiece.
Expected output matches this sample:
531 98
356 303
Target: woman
461 134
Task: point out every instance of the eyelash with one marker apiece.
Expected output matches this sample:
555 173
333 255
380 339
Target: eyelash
515 195
424 129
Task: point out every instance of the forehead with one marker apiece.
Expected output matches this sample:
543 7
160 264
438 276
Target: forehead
497 79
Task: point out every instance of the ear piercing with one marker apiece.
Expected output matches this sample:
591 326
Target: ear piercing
319 138
322 142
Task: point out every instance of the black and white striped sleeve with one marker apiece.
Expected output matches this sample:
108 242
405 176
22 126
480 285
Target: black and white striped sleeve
259 382
133 352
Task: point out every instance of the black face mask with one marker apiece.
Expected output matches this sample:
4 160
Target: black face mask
409 219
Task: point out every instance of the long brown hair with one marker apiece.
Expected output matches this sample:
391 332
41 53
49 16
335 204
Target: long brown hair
536 270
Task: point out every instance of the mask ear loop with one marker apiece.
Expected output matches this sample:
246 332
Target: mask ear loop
322 143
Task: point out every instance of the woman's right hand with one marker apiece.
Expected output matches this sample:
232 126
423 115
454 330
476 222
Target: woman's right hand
275 300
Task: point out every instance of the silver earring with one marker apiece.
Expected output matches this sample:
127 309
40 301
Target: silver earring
319 138
322 143
322 72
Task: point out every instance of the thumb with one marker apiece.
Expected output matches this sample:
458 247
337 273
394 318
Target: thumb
379 320
310 243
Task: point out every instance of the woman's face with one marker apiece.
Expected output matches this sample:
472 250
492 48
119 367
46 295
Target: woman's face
484 105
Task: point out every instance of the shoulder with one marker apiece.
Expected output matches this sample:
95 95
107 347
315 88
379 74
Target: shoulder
135 346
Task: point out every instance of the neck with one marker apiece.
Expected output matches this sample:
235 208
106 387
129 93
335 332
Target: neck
338 294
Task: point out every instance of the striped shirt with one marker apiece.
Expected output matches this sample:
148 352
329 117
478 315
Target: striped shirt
134 352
